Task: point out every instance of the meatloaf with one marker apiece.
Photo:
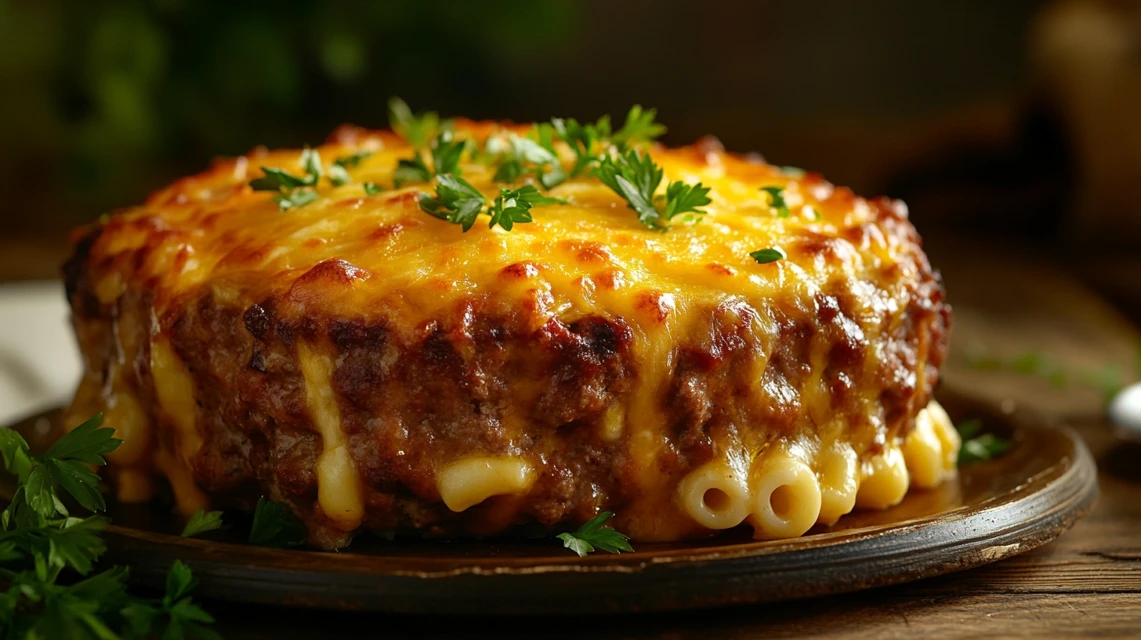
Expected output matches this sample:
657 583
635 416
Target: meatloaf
767 359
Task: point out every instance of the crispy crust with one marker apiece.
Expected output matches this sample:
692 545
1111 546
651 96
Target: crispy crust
498 368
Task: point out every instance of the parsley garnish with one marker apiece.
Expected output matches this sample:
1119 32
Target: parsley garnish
460 203
776 200
582 139
371 188
417 129
593 535
765 256
181 617
276 526
515 205
293 191
338 171
525 155
636 177
40 541
976 447
446 152
455 201
638 128
201 522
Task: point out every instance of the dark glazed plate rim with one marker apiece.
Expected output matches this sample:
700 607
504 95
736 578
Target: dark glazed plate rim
524 577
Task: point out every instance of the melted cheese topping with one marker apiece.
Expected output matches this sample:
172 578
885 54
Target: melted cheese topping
589 256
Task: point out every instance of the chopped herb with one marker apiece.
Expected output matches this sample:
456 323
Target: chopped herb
296 198
635 177
526 155
685 198
40 541
293 191
353 160
765 256
276 526
793 172
582 140
176 615
201 522
371 188
776 200
455 201
338 171
446 152
638 128
417 129
515 205
593 535
979 447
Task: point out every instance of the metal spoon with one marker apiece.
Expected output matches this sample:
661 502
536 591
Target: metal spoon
1125 412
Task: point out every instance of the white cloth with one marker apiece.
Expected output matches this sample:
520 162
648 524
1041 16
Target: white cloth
39 359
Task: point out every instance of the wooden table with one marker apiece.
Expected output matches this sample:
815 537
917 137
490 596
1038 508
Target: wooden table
1088 582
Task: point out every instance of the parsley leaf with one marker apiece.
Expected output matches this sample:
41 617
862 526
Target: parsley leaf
338 171
417 129
639 127
593 535
765 256
295 191
295 199
776 200
446 152
979 447
37 545
181 617
636 177
411 170
515 205
455 201
371 188
276 526
527 155
201 522
685 198
582 140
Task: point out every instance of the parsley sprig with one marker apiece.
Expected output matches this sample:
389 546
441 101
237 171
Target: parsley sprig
42 544
776 200
293 191
979 447
202 522
765 256
416 128
276 526
528 156
636 177
445 152
175 612
458 202
593 535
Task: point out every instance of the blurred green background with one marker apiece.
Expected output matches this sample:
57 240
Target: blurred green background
105 101
1015 119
